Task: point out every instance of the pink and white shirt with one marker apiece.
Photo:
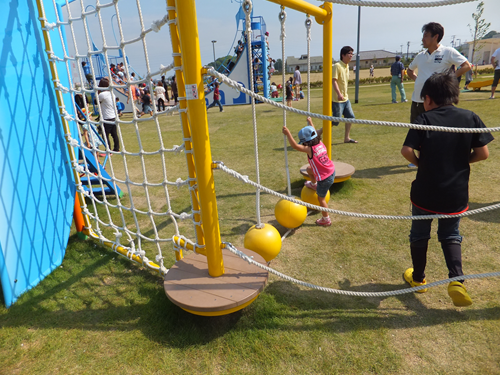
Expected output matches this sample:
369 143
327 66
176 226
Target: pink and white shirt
320 163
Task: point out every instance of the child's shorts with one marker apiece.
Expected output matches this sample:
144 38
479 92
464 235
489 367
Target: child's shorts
324 186
147 109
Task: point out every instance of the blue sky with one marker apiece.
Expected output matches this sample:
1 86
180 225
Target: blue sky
381 28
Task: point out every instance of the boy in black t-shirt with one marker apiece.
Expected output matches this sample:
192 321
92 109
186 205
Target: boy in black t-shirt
442 182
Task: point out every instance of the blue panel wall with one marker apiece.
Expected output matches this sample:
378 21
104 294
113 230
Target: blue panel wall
36 187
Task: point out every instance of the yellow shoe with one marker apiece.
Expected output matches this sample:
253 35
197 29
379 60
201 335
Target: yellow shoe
408 276
459 295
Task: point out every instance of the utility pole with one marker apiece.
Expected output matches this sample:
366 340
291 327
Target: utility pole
407 50
401 50
356 99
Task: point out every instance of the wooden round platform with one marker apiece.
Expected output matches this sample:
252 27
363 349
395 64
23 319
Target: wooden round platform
189 286
343 171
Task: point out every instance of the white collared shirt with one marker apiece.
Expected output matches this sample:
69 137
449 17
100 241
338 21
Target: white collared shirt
436 62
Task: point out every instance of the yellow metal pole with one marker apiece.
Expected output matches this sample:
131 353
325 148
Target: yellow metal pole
186 130
197 114
327 74
304 7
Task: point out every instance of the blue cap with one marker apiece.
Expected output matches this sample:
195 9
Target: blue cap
307 134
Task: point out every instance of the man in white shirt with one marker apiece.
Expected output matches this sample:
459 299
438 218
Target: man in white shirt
436 59
495 61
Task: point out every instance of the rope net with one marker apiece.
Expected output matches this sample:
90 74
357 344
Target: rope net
152 210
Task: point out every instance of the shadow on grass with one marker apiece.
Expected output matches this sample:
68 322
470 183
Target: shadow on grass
136 301
345 313
376 173
487 217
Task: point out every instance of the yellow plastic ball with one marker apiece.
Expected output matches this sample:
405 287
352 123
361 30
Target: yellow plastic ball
264 241
310 196
289 214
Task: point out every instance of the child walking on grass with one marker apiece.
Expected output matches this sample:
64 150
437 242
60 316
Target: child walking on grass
321 169
442 182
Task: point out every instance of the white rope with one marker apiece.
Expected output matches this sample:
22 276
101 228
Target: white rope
399 292
282 18
239 87
246 180
308 24
247 8
398 4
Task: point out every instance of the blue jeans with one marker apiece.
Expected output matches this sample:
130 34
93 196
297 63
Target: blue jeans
324 185
396 81
216 101
339 109
421 229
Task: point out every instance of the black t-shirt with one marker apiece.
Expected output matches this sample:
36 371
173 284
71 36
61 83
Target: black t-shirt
442 182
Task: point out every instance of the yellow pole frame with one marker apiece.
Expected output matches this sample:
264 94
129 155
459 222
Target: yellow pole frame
195 97
186 129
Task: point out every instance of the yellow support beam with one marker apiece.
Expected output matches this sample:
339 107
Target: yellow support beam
187 25
303 6
327 75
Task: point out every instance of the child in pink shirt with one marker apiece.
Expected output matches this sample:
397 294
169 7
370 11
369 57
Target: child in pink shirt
321 169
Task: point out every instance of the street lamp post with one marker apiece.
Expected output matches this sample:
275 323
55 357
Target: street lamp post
213 46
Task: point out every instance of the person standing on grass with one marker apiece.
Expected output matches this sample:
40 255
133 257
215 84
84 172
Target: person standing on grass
442 182
297 81
216 98
397 73
341 106
160 96
289 92
321 169
436 59
108 114
495 61
372 71
173 87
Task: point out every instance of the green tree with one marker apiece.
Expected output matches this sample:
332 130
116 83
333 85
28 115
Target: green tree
490 34
478 30
278 65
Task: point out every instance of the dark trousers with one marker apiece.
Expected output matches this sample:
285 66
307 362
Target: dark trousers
216 101
161 103
448 235
416 110
111 129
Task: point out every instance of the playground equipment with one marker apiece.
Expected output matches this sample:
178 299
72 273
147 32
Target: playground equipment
477 85
237 66
41 177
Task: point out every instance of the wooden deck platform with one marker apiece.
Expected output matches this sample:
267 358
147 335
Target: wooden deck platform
189 286
343 171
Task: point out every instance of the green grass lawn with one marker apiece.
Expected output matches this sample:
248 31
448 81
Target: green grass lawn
98 313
